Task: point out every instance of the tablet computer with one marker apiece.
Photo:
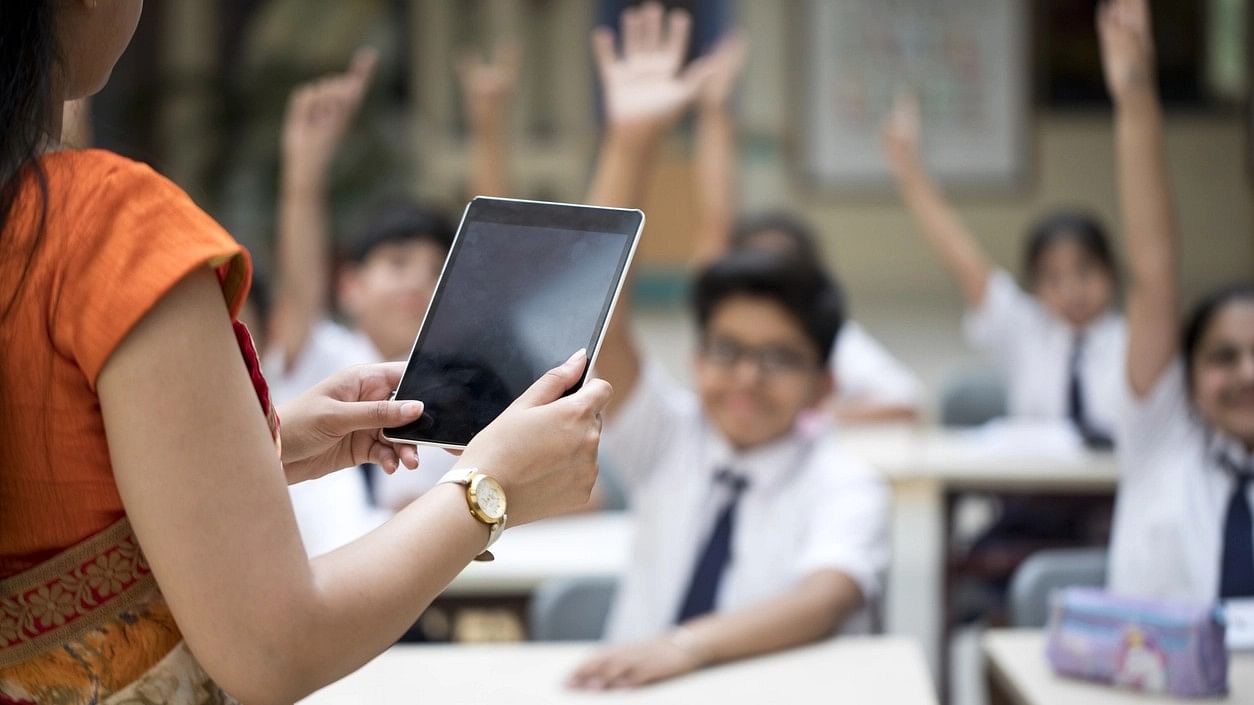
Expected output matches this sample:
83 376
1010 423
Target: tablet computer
526 284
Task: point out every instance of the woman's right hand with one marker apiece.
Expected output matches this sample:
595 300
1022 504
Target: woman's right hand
543 448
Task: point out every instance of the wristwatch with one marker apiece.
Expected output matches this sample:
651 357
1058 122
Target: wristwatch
486 499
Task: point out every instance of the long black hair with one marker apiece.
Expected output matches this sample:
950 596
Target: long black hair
28 57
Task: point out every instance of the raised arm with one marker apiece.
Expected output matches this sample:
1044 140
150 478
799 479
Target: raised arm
1149 222
810 611
939 222
646 89
716 167
318 116
487 94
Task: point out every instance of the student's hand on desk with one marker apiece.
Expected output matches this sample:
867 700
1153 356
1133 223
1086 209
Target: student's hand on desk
1127 47
339 423
318 116
487 86
634 665
646 86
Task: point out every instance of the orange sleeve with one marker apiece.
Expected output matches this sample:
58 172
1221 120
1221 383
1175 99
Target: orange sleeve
139 235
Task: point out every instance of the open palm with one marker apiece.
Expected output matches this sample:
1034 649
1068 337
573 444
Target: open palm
645 84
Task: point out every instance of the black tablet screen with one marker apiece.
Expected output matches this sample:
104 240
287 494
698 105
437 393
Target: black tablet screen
514 301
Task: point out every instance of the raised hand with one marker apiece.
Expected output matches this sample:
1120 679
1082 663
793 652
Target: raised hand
318 116
646 86
488 85
1127 47
899 135
725 65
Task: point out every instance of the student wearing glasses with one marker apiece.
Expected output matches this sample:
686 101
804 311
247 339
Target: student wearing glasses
754 533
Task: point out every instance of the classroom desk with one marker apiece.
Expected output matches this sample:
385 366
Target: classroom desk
854 670
1019 675
924 465
928 467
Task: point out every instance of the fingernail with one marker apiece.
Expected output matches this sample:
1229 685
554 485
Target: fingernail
412 408
580 354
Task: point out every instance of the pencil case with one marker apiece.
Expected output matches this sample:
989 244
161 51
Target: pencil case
1173 648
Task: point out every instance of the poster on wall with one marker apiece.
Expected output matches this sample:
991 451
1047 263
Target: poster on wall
965 61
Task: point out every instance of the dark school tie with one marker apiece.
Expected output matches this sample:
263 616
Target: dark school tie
1236 568
714 557
1076 411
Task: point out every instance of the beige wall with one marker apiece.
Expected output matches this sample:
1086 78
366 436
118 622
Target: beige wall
877 253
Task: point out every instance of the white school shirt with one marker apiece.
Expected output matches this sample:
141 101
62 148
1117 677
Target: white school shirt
808 506
1167 539
866 372
1033 350
335 509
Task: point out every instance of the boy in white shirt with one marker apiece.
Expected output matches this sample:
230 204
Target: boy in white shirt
752 535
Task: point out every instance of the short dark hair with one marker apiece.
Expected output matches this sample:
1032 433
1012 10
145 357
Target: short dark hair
799 233
797 285
1078 226
1201 317
402 221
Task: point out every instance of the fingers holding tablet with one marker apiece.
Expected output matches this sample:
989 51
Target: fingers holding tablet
544 453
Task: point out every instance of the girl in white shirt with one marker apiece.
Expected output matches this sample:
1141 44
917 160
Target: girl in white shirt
1060 343
1183 525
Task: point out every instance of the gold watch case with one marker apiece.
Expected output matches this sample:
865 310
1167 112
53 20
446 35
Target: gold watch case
486 499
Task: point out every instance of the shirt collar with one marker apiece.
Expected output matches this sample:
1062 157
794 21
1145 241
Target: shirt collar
764 466
1228 452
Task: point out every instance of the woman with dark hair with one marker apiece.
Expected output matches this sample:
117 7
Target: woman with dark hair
1183 526
148 550
1060 342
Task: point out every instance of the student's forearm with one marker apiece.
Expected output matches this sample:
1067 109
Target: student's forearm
716 183
489 158
945 232
811 611
1150 231
620 181
303 258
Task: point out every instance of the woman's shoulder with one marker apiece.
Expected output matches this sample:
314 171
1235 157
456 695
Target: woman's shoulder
98 176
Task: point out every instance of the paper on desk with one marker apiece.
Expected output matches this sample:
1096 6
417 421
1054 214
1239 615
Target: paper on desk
1027 438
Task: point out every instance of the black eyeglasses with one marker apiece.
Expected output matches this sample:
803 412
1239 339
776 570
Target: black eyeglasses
772 360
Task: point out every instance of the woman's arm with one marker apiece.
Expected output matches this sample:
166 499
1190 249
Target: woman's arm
202 485
939 222
1149 222
318 116
810 611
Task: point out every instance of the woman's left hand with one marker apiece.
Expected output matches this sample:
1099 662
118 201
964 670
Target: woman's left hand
634 665
339 423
